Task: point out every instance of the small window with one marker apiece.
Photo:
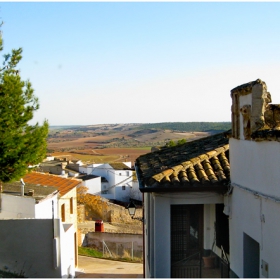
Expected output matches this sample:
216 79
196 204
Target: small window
123 188
71 205
120 174
63 212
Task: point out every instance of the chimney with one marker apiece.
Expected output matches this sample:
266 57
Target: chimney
30 192
22 187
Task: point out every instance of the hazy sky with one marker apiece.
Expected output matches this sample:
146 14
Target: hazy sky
129 62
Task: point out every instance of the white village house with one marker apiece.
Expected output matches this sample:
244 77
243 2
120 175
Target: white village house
38 226
112 181
193 205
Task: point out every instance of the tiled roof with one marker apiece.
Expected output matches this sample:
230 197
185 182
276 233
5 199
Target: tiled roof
63 185
202 164
40 192
119 166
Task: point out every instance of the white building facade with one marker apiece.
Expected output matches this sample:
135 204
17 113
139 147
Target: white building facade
254 204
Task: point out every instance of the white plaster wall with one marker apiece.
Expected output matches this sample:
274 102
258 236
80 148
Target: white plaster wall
101 170
247 211
16 207
67 250
135 192
27 245
43 209
208 225
122 195
93 185
255 165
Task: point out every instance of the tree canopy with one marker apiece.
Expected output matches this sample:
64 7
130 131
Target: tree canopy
21 144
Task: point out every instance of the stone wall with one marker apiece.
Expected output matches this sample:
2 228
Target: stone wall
119 214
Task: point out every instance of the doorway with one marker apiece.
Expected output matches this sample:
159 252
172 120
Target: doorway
186 240
251 257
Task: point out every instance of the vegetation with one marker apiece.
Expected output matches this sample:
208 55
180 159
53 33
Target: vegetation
21 144
172 143
90 252
189 126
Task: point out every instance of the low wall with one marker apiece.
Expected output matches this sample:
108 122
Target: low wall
26 248
117 243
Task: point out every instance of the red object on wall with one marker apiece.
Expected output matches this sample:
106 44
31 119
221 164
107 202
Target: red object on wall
99 226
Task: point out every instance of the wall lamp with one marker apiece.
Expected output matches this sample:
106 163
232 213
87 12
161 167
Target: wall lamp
131 210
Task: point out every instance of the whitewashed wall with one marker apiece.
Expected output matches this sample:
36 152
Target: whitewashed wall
256 165
15 207
27 246
43 209
255 170
93 185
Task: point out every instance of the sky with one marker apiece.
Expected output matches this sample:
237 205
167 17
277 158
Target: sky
142 62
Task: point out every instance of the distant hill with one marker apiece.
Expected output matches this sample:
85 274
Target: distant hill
174 126
189 126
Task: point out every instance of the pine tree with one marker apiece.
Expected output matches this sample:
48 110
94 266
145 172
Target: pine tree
21 144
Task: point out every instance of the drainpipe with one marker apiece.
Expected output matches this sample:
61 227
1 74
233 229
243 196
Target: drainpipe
1 190
144 219
22 187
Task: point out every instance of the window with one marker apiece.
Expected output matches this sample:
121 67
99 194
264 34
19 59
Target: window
71 205
123 188
63 212
120 174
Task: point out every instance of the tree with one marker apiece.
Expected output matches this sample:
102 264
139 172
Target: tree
21 144
181 142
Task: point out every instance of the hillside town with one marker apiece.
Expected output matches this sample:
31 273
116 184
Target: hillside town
209 191
139 139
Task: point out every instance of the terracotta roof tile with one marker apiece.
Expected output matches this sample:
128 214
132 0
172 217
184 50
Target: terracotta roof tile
63 185
200 163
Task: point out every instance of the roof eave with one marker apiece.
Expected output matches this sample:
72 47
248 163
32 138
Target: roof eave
222 189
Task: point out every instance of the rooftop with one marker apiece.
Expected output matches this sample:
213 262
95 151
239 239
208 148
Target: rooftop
119 166
63 185
199 165
40 192
86 177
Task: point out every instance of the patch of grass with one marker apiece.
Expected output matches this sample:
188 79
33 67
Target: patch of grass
89 252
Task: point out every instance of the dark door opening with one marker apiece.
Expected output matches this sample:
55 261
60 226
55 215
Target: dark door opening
251 257
186 240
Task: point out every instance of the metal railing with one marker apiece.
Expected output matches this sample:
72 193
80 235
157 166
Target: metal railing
189 267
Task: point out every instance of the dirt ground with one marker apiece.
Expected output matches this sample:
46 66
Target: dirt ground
99 268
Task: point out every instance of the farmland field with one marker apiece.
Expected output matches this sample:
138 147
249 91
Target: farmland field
119 142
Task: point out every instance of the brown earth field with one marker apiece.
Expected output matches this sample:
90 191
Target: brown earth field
111 143
105 155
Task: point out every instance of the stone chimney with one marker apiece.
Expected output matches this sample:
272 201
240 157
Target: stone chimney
251 110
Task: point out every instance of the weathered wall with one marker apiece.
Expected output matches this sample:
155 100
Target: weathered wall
117 243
